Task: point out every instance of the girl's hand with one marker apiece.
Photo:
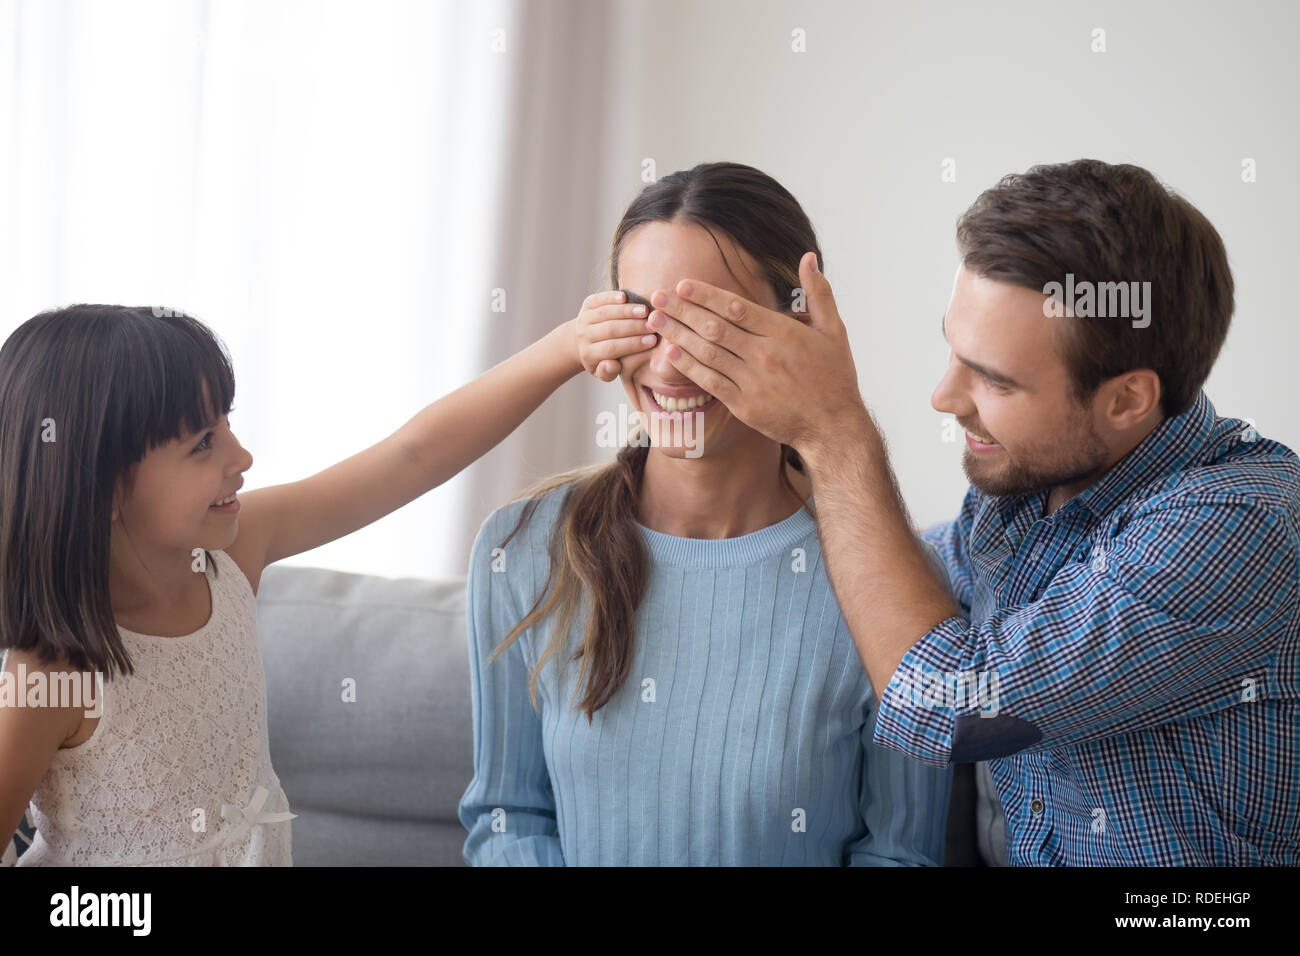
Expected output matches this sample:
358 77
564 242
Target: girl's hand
609 328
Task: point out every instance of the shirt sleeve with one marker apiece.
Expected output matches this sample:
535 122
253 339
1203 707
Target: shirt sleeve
509 806
1179 615
948 538
904 802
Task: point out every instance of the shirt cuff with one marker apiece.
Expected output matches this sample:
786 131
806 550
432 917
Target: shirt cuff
918 712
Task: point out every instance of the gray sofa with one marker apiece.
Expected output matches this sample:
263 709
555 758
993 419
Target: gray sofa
375 781
378 781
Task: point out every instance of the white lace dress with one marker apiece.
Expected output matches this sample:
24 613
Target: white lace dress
178 771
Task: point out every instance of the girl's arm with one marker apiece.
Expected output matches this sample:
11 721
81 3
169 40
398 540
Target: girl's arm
435 445
29 739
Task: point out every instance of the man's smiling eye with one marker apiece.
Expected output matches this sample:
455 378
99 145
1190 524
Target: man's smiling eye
996 386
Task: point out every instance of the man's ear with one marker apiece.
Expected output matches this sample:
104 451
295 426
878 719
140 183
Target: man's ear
1132 397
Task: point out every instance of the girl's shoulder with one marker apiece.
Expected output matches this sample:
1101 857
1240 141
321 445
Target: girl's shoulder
18 677
248 563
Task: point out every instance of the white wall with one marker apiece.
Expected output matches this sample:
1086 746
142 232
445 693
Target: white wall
336 188
857 128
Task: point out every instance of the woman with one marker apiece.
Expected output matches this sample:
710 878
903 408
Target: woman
722 715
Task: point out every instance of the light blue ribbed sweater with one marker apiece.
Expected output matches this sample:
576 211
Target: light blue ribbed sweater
742 736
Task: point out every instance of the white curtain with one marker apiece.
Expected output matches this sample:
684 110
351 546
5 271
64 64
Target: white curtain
336 188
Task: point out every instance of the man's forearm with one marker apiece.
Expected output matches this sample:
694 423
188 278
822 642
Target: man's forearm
884 585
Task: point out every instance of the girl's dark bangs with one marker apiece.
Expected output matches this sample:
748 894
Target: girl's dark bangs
166 398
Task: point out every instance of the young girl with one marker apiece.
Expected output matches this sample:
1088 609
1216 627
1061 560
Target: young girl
127 552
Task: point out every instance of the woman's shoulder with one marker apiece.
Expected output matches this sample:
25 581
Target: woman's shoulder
527 521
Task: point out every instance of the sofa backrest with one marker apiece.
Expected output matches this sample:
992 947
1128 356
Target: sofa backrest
369 713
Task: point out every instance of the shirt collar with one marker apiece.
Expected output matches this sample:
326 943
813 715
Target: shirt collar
1169 448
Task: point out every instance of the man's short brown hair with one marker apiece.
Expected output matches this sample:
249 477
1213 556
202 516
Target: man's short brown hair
1106 223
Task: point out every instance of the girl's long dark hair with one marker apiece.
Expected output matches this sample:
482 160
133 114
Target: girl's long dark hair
85 392
595 544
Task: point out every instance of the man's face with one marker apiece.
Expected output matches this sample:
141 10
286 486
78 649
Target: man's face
1006 385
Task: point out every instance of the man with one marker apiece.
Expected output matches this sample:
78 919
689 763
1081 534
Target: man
1126 654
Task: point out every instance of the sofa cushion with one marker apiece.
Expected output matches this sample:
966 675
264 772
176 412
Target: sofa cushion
376 780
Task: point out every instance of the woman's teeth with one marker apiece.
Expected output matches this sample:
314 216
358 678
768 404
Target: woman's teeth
680 404
223 501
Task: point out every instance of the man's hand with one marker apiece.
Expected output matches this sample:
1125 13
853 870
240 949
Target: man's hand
797 384
794 382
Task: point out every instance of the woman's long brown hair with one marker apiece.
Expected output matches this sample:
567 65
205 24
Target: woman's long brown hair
595 544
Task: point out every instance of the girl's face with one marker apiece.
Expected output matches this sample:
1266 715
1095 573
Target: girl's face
658 255
170 502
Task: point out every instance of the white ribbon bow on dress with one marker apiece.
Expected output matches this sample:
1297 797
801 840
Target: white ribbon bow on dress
251 815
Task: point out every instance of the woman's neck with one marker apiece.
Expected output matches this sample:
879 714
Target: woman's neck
722 496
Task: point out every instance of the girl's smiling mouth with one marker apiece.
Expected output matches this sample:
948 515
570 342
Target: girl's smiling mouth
228 505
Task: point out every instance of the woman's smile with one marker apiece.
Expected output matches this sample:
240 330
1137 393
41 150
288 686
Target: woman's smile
672 400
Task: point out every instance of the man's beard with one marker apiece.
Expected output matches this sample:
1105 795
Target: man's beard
1080 456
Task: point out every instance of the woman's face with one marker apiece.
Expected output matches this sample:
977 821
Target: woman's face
658 255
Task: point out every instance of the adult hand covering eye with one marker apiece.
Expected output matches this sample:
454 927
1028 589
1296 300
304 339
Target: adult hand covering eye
794 381
797 384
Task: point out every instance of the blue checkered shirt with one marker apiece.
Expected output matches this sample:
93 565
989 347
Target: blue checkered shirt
1128 665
